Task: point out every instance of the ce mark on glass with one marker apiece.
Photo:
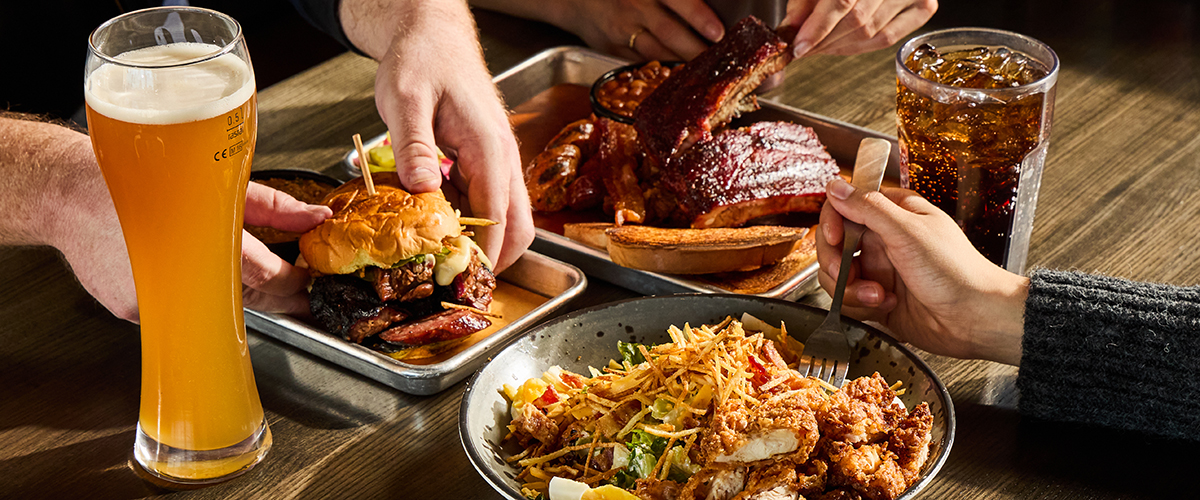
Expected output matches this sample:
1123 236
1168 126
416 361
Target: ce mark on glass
235 129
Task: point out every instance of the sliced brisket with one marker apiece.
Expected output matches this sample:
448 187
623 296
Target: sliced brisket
349 307
410 281
473 287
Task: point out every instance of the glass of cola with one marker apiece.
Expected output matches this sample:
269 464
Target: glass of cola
973 111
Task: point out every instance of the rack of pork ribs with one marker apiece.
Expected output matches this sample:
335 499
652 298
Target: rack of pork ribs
677 165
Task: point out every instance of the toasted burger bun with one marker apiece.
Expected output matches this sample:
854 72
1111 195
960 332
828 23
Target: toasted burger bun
378 230
700 251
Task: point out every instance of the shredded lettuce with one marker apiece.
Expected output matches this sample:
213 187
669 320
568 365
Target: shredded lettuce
661 408
681 466
631 353
644 450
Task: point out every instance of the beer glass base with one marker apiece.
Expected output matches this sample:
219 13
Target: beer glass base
200 467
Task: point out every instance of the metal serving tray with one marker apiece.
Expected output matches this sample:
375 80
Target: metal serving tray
558 281
583 66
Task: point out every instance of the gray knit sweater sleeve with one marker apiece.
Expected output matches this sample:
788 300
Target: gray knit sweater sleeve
1112 352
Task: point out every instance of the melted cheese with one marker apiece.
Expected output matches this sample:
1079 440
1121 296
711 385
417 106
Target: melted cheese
447 266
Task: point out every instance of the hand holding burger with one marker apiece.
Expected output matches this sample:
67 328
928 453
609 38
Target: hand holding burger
394 271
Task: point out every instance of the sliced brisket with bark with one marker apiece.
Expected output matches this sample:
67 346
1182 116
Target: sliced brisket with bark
473 287
350 307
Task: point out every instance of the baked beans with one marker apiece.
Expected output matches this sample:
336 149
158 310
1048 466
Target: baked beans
623 93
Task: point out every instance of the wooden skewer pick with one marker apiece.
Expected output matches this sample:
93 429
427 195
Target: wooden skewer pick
362 165
474 221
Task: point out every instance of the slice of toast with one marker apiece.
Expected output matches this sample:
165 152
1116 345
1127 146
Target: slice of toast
588 233
700 251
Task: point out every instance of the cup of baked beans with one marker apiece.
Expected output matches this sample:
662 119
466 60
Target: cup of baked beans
618 92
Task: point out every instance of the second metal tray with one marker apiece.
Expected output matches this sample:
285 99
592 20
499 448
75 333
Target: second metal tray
554 280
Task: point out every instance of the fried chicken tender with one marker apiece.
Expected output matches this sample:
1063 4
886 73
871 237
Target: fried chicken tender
910 441
714 484
534 423
654 489
869 468
839 494
775 481
864 411
782 427
810 478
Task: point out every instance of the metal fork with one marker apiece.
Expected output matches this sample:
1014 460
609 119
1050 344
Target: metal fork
826 352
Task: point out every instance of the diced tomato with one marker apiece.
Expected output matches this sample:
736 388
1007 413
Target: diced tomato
572 379
547 398
760 372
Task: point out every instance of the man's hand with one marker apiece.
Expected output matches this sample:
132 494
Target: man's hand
268 282
433 90
58 197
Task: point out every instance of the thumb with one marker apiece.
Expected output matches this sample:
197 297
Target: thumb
266 206
413 144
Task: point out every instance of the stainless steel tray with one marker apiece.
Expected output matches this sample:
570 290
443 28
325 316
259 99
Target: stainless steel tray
558 281
583 66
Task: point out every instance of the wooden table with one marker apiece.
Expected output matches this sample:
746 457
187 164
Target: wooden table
1120 195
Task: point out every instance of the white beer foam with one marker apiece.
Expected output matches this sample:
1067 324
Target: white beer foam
161 96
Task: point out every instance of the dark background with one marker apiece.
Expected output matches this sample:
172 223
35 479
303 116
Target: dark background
45 41
45 45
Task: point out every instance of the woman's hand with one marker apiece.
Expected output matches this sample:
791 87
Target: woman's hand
919 276
846 27
664 30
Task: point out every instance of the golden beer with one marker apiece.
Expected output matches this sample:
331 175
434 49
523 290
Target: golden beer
174 127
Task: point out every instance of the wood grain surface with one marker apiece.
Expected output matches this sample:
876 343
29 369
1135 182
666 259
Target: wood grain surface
1120 195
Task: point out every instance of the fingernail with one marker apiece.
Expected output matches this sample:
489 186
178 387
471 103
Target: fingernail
868 295
839 188
714 32
832 269
800 49
321 211
422 176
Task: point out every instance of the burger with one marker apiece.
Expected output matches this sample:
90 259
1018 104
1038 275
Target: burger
395 272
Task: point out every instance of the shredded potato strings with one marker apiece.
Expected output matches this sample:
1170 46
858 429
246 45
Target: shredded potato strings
663 391
654 413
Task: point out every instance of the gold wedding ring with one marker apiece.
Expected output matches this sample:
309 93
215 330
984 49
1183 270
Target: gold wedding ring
633 37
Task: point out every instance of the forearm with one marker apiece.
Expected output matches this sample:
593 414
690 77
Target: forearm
50 180
1112 352
373 26
548 12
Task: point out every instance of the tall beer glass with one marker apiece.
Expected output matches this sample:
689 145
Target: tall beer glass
973 109
171 109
